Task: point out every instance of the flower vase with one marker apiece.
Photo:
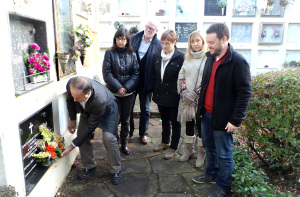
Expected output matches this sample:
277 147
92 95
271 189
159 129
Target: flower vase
243 13
223 11
38 78
82 55
63 61
47 163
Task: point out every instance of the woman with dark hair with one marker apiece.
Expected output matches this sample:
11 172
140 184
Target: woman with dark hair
121 74
168 63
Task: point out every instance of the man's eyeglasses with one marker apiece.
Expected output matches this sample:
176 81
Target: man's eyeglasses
150 28
121 39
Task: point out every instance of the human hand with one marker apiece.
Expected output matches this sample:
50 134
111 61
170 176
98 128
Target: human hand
184 92
67 151
191 96
231 128
122 91
72 126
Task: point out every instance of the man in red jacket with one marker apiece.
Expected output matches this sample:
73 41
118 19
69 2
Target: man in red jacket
223 104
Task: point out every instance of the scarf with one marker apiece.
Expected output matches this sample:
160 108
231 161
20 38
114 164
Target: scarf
165 58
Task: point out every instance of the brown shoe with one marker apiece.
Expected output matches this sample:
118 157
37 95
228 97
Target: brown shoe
144 140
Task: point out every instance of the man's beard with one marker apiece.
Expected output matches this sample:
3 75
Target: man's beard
217 52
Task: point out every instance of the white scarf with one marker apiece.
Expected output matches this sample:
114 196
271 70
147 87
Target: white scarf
165 59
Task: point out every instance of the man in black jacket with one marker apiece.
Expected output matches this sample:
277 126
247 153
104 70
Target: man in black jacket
145 44
98 108
223 104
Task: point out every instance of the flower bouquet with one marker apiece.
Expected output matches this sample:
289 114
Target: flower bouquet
243 8
222 3
84 33
263 33
36 62
276 33
51 146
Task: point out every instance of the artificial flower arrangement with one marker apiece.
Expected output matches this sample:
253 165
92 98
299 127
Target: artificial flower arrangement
263 33
276 33
222 3
36 62
84 33
243 7
284 3
51 146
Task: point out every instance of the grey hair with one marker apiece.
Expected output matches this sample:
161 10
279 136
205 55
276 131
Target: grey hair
82 83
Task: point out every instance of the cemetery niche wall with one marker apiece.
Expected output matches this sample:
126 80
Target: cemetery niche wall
24 32
29 133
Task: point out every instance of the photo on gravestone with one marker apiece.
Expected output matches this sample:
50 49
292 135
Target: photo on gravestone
63 40
212 9
29 134
25 31
183 31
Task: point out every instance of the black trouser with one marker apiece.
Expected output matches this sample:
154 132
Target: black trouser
125 107
190 127
168 116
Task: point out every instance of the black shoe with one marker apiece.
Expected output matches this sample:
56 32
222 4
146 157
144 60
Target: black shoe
203 179
218 193
116 179
85 172
125 150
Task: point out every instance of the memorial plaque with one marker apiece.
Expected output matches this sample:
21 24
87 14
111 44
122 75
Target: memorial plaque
29 133
246 53
212 9
183 30
25 31
293 33
241 32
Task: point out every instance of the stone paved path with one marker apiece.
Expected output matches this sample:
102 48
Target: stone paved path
145 173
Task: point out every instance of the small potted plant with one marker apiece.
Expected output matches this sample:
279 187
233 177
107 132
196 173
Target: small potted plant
222 4
285 64
160 12
293 64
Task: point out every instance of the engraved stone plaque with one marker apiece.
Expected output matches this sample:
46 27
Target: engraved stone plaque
241 32
29 133
183 30
25 31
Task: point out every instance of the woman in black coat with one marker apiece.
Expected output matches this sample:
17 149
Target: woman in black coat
168 63
121 75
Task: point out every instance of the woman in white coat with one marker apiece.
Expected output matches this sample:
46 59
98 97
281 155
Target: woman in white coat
189 87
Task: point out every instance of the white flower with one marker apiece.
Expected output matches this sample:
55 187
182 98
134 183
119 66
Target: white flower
80 31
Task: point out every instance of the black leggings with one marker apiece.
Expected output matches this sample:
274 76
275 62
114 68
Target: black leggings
190 125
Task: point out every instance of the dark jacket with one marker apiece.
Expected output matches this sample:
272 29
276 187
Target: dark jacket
155 46
95 108
120 70
165 92
232 90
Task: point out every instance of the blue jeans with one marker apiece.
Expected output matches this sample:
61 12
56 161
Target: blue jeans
218 152
145 99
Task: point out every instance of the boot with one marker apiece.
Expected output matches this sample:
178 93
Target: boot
124 148
201 154
189 148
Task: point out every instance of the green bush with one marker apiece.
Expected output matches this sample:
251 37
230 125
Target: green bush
248 181
248 178
271 128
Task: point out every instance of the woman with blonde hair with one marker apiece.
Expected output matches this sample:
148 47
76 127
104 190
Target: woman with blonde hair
189 87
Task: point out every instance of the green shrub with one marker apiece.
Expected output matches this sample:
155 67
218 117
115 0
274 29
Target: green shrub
271 128
249 180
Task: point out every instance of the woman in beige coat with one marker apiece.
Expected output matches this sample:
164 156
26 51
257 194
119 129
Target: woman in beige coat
189 87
